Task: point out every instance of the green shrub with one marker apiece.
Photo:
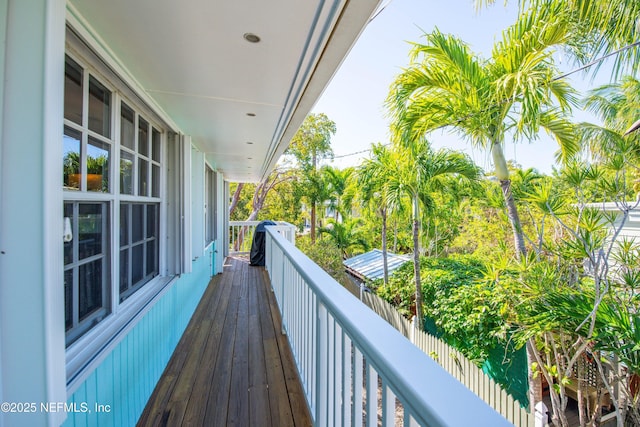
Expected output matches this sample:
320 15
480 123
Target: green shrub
327 255
466 311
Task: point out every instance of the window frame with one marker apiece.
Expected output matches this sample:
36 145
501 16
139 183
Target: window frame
210 223
87 351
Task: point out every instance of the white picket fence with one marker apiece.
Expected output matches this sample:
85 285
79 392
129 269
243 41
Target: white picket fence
453 362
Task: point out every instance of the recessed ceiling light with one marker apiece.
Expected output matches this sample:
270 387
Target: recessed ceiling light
251 38
251 114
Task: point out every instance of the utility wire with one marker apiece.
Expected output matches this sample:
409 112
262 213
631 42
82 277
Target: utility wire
560 77
597 61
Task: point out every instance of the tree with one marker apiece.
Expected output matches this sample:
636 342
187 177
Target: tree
373 174
346 235
235 199
617 105
515 92
262 189
310 144
419 174
338 190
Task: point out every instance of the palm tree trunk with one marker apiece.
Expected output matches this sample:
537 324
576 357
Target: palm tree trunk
502 173
395 236
385 265
514 218
416 262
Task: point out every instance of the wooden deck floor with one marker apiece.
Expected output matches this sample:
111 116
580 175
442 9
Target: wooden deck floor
232 366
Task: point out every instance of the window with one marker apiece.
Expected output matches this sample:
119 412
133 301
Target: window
87 147
138 246
209 207
86 267
114 212
139 155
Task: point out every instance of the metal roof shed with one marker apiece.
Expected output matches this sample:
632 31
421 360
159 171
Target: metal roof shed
368 266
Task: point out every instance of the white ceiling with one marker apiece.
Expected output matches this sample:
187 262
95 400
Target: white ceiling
191 58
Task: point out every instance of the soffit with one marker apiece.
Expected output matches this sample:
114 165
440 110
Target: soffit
191 59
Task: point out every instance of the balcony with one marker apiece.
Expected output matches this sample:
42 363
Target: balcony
340 363
232 365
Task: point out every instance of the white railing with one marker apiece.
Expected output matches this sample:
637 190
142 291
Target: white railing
241 234
355 368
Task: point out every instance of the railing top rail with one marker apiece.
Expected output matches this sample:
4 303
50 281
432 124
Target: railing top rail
252 223
433 395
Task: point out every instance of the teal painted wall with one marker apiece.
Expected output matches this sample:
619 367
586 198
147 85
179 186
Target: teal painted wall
127 377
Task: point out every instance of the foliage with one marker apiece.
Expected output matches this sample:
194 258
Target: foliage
283 203
463 306
312 141
310 144
243 208
341 190
512 93
326 254
597 28
347 236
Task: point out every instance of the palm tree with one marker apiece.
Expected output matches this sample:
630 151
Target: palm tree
373 174
418 175
514 92
617 104
346 235
338 181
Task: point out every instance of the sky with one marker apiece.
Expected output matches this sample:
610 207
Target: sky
354 99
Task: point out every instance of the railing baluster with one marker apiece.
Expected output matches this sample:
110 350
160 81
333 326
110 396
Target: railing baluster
314 349
337 377
372 395
388 406
321 368
356 406
347 383
331 368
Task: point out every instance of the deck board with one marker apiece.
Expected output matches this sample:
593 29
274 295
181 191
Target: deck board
232 366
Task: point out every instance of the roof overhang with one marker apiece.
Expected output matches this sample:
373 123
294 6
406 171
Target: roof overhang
240 102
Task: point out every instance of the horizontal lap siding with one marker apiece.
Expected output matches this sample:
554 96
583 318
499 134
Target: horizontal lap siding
128 375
